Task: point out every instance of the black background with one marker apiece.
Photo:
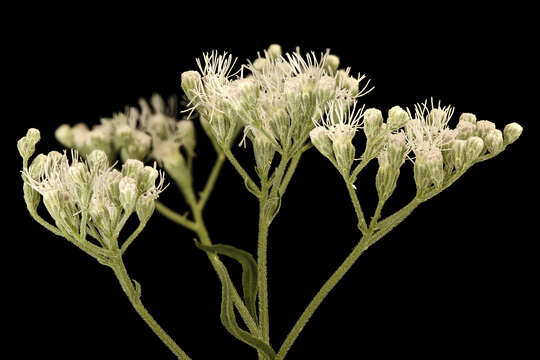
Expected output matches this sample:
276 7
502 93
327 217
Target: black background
456 278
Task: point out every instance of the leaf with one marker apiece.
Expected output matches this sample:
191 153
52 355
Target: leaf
228 317
249 271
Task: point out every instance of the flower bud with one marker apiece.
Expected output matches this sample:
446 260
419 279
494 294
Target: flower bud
512 132
373 121
123 135
459 153
436 117
186 131
434 161
27 144
331 63
139 147
483 127
494 141
274 50
321 141
145 207
468 117
158 125
465 129
386 178
64 135
31 197
113 181
326 87
397 148
264 152
475 147
37 167
132 168
147 178
97 161
421 175
191 84
128 193
53 202
397 118
344 152
79 174
259 64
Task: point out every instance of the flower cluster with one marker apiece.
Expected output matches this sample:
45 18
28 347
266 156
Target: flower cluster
150 131
273 99
89 196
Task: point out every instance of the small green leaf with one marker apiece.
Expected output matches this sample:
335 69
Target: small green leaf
228 317
249 271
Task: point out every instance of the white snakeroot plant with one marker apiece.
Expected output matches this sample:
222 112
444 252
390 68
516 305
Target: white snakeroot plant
282 104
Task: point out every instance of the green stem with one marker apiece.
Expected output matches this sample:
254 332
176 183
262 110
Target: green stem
265 218
363 245
362 225
262 271
132 237
174 216
250 184
134 297
205 194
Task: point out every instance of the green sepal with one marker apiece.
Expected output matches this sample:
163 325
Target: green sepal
249 271
228 317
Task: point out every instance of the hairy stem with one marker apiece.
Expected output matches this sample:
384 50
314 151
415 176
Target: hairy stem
364 243
134 297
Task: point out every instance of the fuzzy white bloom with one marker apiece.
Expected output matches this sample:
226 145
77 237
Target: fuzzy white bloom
428 129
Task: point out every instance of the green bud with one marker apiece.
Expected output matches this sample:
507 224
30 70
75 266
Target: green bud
459 153
139 147
64 135
27 144
321 141
31 197
259 64
79 174
434 161
132 168
386 178
37 167
344 152
331 64
512 132
53 159
147 178
373 121
483 127
494 141
53 202
274 50
191 84
186 131
127 188
465 129
436 117
475 147
264 152
397 118
113 181
421 175
97 161
158 125
468 117
145 207
123 135
397 148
